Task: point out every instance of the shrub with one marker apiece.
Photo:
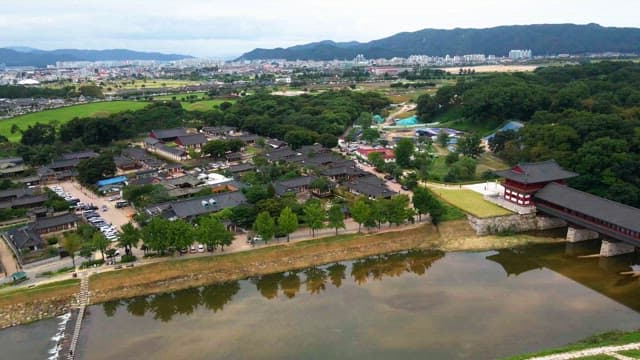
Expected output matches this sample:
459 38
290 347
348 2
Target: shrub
52 240
128 258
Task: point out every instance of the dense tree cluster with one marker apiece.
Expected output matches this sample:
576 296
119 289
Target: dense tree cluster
586 117
18 91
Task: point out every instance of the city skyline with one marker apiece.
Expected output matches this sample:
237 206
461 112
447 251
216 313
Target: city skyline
207 29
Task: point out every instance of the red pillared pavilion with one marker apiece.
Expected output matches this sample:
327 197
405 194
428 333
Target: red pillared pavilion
524 180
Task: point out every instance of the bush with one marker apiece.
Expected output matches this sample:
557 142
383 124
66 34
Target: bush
128 258
52 240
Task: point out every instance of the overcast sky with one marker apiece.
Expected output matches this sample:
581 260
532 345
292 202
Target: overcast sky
228 28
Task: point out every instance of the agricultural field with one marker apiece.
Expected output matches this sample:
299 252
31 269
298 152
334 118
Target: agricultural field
65 114
470 202
143 84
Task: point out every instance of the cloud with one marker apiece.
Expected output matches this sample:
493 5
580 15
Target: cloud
215 27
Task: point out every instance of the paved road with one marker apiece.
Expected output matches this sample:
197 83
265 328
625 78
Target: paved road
9 263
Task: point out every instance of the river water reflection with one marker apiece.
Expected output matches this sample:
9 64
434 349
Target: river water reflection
411 305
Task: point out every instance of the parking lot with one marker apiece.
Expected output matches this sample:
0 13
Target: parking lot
114 216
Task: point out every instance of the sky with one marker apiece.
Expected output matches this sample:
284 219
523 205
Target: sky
226 29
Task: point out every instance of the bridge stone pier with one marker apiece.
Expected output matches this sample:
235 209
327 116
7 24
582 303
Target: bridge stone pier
613 248
576 235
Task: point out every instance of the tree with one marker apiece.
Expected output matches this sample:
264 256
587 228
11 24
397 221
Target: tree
154 235
321 184
370 135
434 206
100 242
298 138
129 237
396 209
328 140
265 226
469 145
38 134
360 212
287 221
72 244
376 159
365 120
404 150
443 138
213 233
314 216
421 201
94 169
336 217
180 234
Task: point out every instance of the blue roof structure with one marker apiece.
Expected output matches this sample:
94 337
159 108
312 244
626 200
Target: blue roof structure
378 119
511 125
112 181
412 120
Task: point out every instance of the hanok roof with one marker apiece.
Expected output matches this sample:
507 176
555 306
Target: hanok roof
24 237
29 200
15 193
591 205
195 139
12 160
169 133
241 168
531 173
170 150
284 186
53 221
371 186
194 207
64 164
80 155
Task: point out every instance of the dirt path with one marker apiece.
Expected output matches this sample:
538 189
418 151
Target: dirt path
9 263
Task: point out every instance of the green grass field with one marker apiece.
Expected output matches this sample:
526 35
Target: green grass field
99 109
203 105
605 339
470 202
65 114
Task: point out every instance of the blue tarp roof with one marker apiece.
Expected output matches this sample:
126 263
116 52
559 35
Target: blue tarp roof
377 118
112 181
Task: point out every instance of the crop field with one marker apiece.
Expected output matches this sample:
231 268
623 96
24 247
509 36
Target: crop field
65 114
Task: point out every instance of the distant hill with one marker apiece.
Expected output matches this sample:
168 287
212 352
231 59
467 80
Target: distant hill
24 56
545 39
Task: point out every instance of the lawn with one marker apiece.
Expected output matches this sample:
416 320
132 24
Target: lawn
606 339
65 114
470 202
203 105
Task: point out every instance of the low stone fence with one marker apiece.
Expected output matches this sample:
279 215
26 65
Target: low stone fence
514 223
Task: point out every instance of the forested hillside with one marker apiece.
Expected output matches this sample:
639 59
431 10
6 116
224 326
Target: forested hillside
543 39
586 117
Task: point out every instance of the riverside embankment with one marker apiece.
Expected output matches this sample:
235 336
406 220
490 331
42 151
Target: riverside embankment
179 273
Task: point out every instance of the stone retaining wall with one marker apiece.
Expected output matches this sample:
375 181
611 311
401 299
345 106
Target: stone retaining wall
513 223
23 313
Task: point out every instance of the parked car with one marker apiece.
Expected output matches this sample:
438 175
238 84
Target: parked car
201 248
104 208
193 249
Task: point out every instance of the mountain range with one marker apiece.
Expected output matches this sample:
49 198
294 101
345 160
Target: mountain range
25 56
542 39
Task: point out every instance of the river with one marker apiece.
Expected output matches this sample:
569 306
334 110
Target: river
410 305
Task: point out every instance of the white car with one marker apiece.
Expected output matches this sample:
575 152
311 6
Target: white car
200 248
